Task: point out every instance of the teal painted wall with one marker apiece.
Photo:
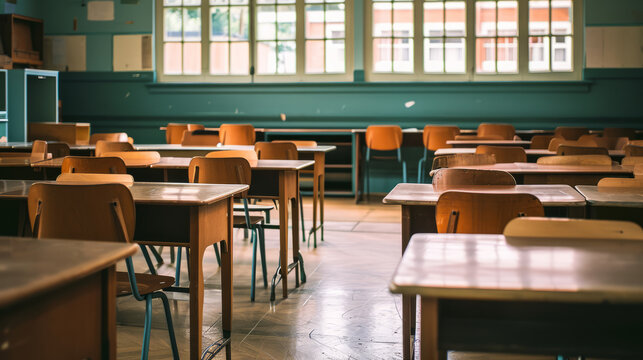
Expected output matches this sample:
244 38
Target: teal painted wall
31 8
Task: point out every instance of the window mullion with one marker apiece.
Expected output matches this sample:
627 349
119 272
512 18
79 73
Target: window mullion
300 28
205 38
252 46
523 38
471 39
418 38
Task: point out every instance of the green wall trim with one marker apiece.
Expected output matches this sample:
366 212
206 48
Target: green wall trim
613 73
107 76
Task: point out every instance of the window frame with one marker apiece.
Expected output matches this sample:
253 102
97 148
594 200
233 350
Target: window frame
299 76
470 74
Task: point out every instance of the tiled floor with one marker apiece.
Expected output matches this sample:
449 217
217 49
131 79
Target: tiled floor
344 311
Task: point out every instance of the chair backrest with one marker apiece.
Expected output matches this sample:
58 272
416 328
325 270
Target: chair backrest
504 154
482 213
115 137
298 143
611 143
570 132
540 141
174 133
276 151
384 137
103 146
94 165
200 137
566 150
499 131
464 177
39 150
58 149
220 171
588 140
620 182
237 134
602 160
125 179
436 136
633 150
558 141
135 158
249 155
632 160
193 127
102 212
447 161
580 229
620 132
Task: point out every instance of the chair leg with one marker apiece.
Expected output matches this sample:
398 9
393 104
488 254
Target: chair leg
404 171
420 170
262 251
146 255
368 179
301 215
170 326
216 253
147 328
172 256
253 274
157 256
177 276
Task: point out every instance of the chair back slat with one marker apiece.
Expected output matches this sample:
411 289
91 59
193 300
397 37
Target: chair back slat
466 177
570 132
276 151
95 165
219 171
237 134
598 160
103 146
200 138
504 154
447 161
566 150
384 137
435 137
113 137
496 131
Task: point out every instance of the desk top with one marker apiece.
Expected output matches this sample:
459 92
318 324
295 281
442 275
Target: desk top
489 142
15 161
184 163
427 194
532 152
169 147
612 196
533 168
30 266
57 163
474 266
184 194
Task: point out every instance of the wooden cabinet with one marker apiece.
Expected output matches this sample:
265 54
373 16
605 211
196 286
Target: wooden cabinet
22 42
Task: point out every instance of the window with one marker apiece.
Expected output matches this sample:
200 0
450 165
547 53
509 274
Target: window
473 40
254 40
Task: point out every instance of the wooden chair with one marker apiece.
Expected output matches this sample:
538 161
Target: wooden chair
135 158
633 150
447 161
496 131
620 182
504 154
87 178
95 165
558 141
200 138
580 229
249 155
540 141
103 146
114 137
610 143
237 134
39 151
570 132
596 160
383 138
632 160
482 213
58 149
434 137
466 177
566 150
232 171
193 127
174 133
103 212
620 132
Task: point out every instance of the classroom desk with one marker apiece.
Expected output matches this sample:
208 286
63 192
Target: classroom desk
191 215
487 293
271 179
58 298
418 216
530 173
532 154
17 168
612 203
476 143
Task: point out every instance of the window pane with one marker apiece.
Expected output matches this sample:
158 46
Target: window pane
335 62
286 57
455 55
561 13
172 23
172 58
239 58
266 23
403 19
382 55
191 24
286 16
486 55
314 22
433 18
538 17
335 21
171 2
507 18
507 55
219 2
315 56
434 55
266 57
382 17
456 18
219 23
191 2
239 22
219 56
539 53
485 18
192 58
403 55
561 49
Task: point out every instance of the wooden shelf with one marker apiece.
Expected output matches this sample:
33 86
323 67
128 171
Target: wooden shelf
22 41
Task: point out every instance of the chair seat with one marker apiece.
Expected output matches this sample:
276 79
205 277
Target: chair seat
240 220
147 283
254 207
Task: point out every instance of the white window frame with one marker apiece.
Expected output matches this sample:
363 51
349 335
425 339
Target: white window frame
471 75
299 76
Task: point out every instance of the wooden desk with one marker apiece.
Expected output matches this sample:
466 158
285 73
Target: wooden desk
612 203
532 154
271 179
58 298
190 215
71 133
418 216
17 168
486 293
529 173
475 143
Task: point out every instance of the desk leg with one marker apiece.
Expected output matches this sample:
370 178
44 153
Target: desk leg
429 330
226 278
283 230
295 234
358 153
196 284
